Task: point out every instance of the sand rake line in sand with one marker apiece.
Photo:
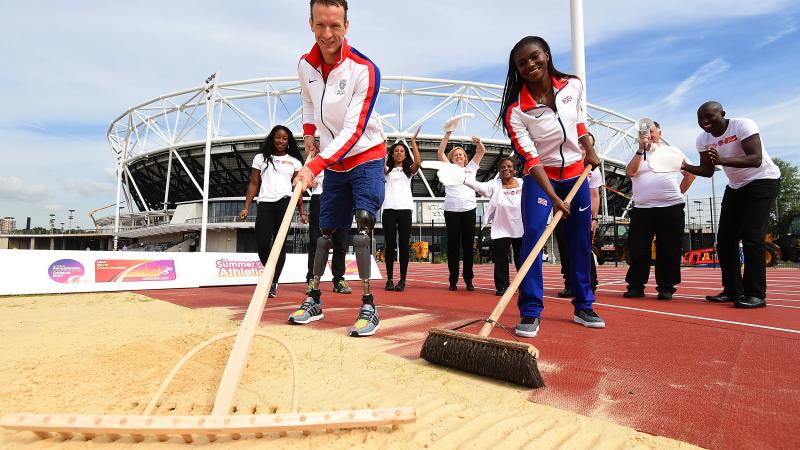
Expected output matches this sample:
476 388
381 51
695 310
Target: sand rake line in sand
165 384
220 421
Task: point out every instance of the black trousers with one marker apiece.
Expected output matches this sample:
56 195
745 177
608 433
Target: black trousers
460 237
744 217
667 225
339 243
268 221
501 250
396 225
564 254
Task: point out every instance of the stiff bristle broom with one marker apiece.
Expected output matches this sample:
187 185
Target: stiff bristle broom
514 362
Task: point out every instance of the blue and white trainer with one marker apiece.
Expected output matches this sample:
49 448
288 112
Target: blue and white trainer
588 318
309 311
367 323
527 330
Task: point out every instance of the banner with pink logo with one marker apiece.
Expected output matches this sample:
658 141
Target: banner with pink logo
130 270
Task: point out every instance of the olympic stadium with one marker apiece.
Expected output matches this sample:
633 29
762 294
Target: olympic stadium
188 151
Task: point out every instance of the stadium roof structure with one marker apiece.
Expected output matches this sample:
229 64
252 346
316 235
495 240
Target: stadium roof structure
198 144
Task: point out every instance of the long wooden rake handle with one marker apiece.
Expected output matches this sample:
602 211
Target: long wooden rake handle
488 326
241 348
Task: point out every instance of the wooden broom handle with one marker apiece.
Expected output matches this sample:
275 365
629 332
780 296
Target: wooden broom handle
501 305
247 330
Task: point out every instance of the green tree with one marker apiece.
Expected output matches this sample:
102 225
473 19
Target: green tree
788 202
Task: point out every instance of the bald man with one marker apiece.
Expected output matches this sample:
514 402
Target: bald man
753 182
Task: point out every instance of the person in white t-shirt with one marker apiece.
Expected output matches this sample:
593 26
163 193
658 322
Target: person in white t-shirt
397 205
659 211
753 183
504 213
276 162
459 210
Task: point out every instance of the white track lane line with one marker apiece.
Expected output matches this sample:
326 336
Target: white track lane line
556 277
698 297
664 313
702 297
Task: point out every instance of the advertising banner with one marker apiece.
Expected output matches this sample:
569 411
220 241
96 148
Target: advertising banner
219 269
127 270
64 271
48 272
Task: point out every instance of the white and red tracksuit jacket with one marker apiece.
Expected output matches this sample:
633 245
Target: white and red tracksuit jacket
546 137
341 107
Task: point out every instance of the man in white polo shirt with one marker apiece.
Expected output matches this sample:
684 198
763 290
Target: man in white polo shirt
753 182
658 211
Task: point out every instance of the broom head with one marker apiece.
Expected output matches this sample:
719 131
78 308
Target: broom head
514 362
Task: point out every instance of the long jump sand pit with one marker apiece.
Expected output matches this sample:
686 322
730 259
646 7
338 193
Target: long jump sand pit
107 353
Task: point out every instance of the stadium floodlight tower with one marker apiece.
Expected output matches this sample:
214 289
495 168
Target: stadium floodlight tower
193 144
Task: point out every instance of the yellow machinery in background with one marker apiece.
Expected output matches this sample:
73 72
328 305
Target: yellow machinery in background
420 250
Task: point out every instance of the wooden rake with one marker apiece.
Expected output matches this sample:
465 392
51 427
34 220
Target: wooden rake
220 421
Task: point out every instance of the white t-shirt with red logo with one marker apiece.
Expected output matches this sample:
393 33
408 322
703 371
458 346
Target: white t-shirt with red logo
504 211
398 190
656 189
276 178
460 198
729 145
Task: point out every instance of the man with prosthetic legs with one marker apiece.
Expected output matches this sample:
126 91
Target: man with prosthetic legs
311 309
339 87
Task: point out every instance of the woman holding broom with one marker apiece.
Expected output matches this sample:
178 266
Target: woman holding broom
543 115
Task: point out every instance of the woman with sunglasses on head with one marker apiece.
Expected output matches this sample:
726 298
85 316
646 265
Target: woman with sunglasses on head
276 162
542 112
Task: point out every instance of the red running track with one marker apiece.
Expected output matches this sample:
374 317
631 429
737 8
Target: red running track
708 374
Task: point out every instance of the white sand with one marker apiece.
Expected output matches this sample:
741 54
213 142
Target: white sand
108 353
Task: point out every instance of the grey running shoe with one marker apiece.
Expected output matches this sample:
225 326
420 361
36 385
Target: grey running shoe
367 323
341 287
273 291
588 318
528 330
309 311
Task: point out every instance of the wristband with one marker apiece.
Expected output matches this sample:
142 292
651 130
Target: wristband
640 153
595 218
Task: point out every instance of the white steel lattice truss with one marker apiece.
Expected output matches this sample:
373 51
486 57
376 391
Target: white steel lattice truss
248 109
